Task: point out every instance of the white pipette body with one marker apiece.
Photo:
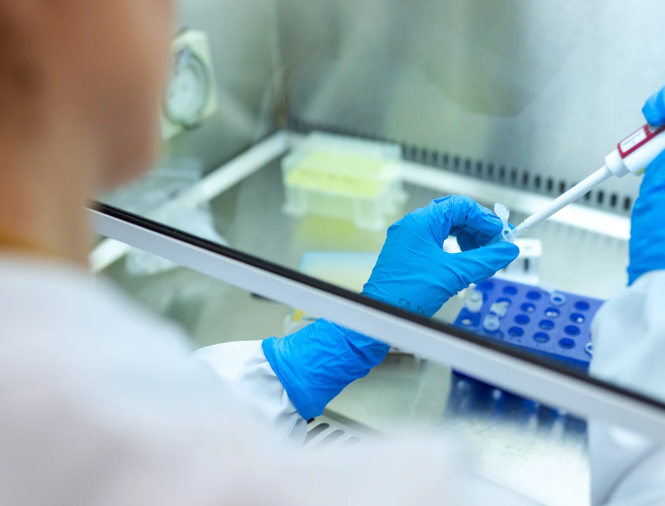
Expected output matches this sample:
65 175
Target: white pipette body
576 192
633 154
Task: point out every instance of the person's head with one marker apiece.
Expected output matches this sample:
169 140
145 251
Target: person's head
95 69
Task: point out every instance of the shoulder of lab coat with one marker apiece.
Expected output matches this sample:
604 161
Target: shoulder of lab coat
629 350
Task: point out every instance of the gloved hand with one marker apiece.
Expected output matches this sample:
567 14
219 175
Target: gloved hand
647 235
318 362
413 271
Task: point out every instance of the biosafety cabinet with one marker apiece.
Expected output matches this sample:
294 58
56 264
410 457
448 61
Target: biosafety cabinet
297 131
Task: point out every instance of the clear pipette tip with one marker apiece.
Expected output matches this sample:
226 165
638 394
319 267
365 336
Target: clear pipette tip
509 236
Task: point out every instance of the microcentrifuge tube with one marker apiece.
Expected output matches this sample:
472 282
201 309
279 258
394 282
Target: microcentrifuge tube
506 235
557 298
491 323
498 308
474 301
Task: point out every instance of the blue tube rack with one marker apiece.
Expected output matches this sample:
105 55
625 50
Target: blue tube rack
533 322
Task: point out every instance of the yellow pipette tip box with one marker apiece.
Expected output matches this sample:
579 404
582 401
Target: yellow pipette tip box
344 178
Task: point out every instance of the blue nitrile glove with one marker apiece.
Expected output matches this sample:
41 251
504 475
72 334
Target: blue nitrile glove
654 109
413 271
647 234
318 362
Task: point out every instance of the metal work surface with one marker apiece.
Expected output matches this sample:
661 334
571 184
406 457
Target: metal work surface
528 448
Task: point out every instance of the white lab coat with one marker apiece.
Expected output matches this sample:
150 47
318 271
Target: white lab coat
102 405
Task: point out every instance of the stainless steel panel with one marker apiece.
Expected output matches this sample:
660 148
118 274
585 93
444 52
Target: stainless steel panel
241 35
549 87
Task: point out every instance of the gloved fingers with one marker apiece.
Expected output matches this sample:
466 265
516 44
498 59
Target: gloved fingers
457 215
468 241
473 220
472 239
654 109
475 266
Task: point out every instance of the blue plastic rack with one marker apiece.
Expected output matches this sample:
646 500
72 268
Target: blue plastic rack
555 327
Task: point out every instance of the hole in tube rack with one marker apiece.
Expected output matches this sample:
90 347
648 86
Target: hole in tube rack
527 307
572 330
552 312
541 337
486 286
510 290
582 305
515 332
546 324
505 301
533 295
577 318
567 344
522 319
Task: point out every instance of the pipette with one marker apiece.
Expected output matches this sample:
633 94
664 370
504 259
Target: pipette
633 154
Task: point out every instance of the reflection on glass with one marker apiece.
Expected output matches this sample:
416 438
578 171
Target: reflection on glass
323 209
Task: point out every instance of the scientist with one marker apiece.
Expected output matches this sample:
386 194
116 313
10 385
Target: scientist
102 404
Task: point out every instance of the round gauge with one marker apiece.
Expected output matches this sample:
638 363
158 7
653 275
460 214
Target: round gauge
188 90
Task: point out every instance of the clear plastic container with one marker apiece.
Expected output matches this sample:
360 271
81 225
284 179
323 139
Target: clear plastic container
344 178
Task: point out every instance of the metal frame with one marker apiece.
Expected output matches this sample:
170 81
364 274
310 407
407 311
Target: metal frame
488 361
